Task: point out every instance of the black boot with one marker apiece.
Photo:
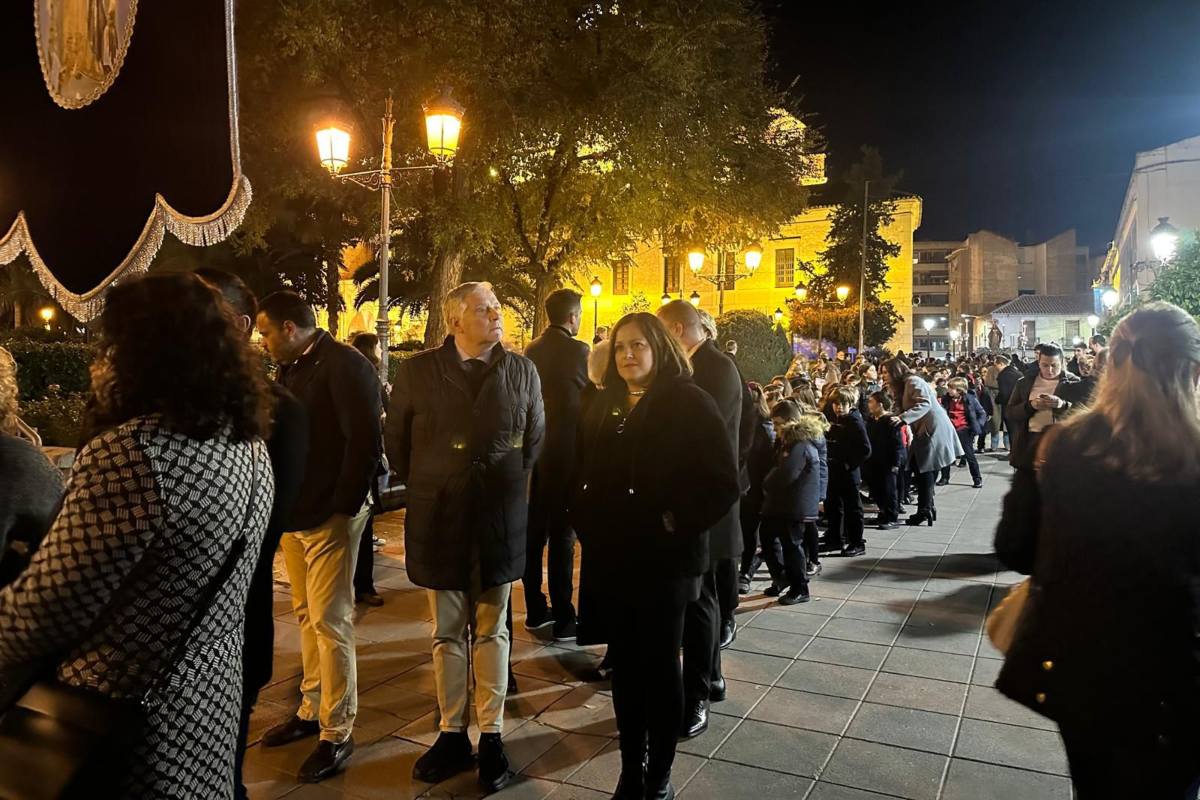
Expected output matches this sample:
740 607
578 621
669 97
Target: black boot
716 691
631 785
291 731
494 770
661 790
450 755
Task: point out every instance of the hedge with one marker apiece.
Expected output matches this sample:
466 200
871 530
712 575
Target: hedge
41 365
763 349
57 418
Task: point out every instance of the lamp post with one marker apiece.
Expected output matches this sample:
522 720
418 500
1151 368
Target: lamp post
928 326
47 314
802 301
753 258
695 299
443 124
862 275
596 288
954 334
778 315
1093 321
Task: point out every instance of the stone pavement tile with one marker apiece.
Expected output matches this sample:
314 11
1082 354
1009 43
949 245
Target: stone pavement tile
904 727
397 701
857 630
737 782
986 672
577 793
781 619
870 612
559 665
752 667
843 570
524 788
970 780
888 770
831 679
584 709
897 598
967 565
987 649
928 664
832 791
381 770
927 613
772 642
602 771
847 654
895 578
740 697
267 714
986 703
827 589
923 694
420 679
534 696
909 545
816 712
314 791
566 756
704 745
529 742
969 596
942 640
263 782
775 747
1012 746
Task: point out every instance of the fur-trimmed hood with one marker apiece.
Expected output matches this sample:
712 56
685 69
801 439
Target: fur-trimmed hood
811 427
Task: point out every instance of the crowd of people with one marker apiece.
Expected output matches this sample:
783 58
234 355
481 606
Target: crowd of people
146 581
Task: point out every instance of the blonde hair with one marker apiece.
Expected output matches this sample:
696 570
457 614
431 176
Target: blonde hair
958 384
456 300
1147 397
8 394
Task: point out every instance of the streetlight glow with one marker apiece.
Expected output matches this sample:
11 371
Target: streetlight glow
1110 298
753 257
596 286
333 148
928 324
695 299
1163 239
842 293
443 122
955 333
695 260
666 298
801 292
1093 320
778 314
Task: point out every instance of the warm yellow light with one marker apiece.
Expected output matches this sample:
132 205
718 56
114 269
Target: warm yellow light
1093 320
695 299
842 293
666 298
333 148
801 292
753 257
696 260
955 333
596 287
778 314
47 314
443 123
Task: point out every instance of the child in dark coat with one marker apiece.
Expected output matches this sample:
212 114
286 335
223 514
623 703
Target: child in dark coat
849 449
886 460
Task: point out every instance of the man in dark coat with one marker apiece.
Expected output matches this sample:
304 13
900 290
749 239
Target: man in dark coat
464 428
288 446
561 362
340 393
1006 381
714 372
1037 402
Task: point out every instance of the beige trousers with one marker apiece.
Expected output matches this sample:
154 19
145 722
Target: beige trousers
320 566
484 614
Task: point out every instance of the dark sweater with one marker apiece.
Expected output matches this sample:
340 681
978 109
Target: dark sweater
849 447
31 491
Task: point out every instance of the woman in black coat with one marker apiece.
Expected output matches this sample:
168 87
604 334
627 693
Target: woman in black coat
657 470
1108 644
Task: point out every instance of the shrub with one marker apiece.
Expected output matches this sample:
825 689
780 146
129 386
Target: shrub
763 348
33 334
57 417
41 365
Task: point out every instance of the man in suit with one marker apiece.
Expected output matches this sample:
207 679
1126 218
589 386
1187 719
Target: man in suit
339 389
561 362
288 446
716 374
1037 402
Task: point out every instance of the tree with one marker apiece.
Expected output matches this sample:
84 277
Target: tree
840 324
21 292
1179 283
842 258
638 302
763 349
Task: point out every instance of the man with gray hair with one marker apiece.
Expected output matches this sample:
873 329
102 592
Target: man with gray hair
464 428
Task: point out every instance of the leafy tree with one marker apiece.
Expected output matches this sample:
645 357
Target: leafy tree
637 302
840 324
21 292
763 349
842 257
1179 283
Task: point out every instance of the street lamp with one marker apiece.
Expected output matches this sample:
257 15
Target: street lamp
753 257
596 288
842 293
802 301
695 260
954 334
695 299
1109 299
928 326
443 125
1163 238
666 298
801 292
47 314
778 315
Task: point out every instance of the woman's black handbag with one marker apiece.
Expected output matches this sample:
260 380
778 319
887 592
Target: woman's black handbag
59 741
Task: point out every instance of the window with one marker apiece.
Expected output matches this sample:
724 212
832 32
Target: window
1021 292
785 268
932 256
671 269
621 279
931 279
933 299
1071 332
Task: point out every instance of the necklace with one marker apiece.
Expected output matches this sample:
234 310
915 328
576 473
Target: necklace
638 393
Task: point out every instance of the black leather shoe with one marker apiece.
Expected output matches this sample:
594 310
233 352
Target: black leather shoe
716 691
695 721
293 730
664 792
631 786
977 485
941 482
494 770
327 759
371 599
743 585
450 755
728 633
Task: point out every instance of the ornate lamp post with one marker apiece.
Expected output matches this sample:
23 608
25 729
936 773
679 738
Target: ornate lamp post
694 299
752 255
443 125
802 301
47 314
778 315
596 288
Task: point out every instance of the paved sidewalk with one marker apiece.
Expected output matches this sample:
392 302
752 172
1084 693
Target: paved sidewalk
881 687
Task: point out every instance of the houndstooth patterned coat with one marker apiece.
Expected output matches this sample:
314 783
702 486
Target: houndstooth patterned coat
147 523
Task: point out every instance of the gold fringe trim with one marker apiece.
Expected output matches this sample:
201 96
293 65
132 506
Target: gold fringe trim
194 231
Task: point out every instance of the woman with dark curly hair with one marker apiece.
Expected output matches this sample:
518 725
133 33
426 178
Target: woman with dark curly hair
138 591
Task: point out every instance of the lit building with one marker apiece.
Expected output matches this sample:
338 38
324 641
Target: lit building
1033 318
1164 183
931 295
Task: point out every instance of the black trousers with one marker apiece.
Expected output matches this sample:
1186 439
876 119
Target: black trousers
886 493
249 698
701 641
647 683
549 529
726 573
967 440
749 511
924 482
812 543
783 546
843 508
364 565
904 478
1106 764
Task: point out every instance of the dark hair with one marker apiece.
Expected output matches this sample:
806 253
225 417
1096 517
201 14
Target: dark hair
897 370
1100 339
884 399
199 377
669 358
797 381
287 306
561 303
233 289
1051 350
365 342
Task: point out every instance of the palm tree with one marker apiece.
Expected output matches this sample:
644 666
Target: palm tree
20 290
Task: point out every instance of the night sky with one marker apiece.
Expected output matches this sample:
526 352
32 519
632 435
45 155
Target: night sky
1020 117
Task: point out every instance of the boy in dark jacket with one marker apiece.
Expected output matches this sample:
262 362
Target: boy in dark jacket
969 420
849 449
886 460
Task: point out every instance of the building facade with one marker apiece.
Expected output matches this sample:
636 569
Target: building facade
1029 319
1165 182
931 295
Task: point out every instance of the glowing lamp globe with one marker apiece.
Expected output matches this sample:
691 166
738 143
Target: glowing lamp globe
596 287
1093 320
1110 298
954 334
695 260
333 148
801 292
928 324
753 257
778 314
842 293
1163 239
695 299
443 123
47 314
666 298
